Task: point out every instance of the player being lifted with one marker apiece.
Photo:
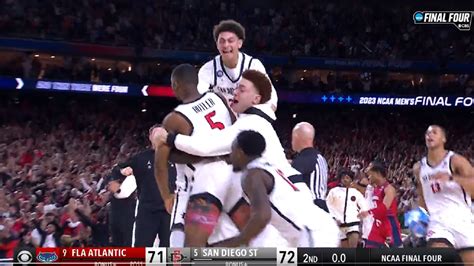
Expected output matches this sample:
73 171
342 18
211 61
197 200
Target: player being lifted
223 73
445 186
198 114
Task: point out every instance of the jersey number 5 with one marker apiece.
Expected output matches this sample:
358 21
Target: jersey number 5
213 124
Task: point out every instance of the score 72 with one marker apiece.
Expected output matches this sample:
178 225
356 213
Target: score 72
287 256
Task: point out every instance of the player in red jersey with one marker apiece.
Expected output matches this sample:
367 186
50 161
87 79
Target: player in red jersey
385 225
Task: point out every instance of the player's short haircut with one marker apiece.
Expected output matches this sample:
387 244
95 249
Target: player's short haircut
185 73
343 172
379 167
261 82
440 127
252 143
229 25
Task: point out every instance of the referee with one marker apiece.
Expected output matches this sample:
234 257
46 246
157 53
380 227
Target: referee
152 218
310 163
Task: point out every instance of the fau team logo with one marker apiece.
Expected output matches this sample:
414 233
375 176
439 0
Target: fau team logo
460 19
47 256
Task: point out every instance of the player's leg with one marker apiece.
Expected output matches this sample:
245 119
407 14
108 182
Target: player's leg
467 256
353 239
395 232
177 219
212 182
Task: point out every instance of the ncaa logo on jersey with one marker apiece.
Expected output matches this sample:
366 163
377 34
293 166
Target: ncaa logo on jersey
220 73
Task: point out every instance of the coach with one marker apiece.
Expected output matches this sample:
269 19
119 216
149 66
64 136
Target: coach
152 218
310 163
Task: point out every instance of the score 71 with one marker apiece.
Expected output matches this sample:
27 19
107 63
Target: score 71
155 256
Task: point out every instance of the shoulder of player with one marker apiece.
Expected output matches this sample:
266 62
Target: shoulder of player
460 163
176 121
390 188
208 66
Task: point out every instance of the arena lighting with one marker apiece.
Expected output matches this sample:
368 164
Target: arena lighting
37 55
143 110
52 57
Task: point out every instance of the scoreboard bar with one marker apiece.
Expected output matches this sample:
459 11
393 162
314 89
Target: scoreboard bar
240 256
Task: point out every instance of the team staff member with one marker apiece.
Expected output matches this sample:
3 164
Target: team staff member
152 218
310 163
347 205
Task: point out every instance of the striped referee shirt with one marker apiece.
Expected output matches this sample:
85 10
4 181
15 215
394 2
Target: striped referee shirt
314 168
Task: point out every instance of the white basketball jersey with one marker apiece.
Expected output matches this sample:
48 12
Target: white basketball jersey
287 217
444 200
226 82
207 113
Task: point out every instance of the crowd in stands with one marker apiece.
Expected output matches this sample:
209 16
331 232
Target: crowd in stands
56 153
368 29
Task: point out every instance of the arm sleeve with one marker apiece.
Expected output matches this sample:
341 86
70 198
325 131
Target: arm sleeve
127 187
206 77
257 65
216 144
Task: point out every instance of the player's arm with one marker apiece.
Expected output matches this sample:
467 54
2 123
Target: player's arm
206 77
463 173
175 123
257 65
128 186
390 194
215 144
362 202
419 190
255 186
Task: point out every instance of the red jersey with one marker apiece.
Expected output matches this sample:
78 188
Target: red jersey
385 223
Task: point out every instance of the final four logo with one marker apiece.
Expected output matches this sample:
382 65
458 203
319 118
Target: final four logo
460 19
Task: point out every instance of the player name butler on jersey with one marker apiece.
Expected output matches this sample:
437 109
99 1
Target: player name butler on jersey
209 110
215 76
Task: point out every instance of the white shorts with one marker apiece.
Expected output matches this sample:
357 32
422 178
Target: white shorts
183 186
214 179
224 229
344 230
326 235
459 232
270 237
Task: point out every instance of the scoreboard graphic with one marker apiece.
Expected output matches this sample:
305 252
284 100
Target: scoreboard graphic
237 256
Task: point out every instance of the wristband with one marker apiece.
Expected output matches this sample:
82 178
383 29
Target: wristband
170 139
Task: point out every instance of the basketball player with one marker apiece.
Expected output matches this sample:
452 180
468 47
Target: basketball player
444 182
347 205
198 114
253 91
385 226
223 73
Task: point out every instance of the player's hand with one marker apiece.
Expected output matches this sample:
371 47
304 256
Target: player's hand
169 201
114 186
159 136
232 242
127 171
441 176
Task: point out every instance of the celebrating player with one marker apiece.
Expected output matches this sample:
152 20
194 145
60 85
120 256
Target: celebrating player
445 183
223 73
198 114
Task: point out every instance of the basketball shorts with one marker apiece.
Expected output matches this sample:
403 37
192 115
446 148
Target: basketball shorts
345 229
458 231
213 181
